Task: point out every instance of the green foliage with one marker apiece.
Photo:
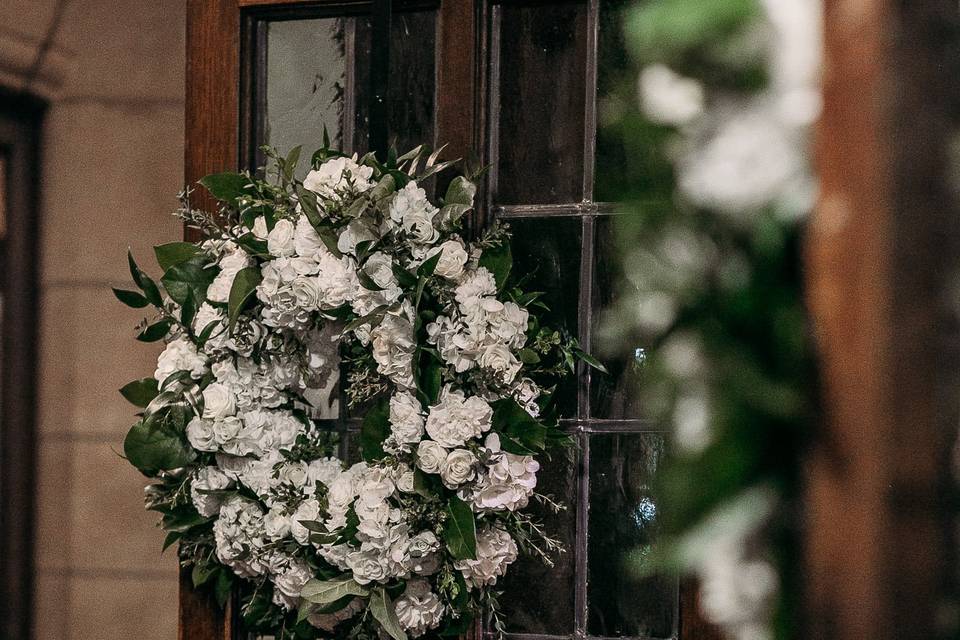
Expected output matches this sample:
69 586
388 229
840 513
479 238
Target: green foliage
499 260
520 433
157 443
382 609
459 531
140 392
330 591
374 430
226 187
241 291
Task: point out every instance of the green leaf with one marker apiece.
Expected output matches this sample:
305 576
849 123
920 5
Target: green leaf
225 187
499 261
244 285
140 392
328 591
202 573
429 265
308 203
590 360
461 191
174 253
253 245
459 531
374 430
374 318
520 433
191 277
156 331
426 485
384 188
404 277
170 539
329 239
131 298
529 356
430 381
290 164
153 445
135 271
367 281
382 610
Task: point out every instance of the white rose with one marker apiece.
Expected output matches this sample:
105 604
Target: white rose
306 291
431 456
379 266
292 580
495 551
475 284
227 429
458 468
405 482
499 359
280 240
200 434
218 401
367 565
309 510
259 230
453 258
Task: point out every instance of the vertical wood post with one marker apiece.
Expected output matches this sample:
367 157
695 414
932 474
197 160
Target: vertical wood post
211 127
882 268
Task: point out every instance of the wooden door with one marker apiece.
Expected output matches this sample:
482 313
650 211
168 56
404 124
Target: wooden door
514 85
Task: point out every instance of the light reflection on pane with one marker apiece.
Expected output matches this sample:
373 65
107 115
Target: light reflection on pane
3 196
306 79
623 524
616 394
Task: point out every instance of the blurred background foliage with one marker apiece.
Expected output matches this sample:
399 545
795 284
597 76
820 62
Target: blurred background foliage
705 130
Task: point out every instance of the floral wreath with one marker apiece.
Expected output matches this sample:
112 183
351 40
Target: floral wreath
350 274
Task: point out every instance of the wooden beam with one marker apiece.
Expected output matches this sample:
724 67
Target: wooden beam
212 129
882 254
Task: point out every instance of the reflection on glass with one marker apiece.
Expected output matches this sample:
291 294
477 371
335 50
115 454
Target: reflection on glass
546 258
3 196
615 395
542 96
411 83
306 79
623 600
538 598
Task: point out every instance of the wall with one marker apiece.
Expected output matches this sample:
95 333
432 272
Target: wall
112 165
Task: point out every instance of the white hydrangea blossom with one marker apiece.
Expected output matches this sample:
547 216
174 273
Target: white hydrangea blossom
456 419
496 550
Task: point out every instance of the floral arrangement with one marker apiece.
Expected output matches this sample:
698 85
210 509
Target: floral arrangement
349 284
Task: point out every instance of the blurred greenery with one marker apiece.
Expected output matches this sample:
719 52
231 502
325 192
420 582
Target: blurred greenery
730 343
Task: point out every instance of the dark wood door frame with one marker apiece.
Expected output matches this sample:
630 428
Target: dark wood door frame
20 123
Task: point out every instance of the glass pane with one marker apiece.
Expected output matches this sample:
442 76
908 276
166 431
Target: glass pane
411 85
622 529
306 79
542 90
3 196
546 254
616 395
538 598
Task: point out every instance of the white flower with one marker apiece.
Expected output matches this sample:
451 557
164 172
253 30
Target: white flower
232 262
379 266
353 234
218 401
208 479
368 564
291 580
200 434
508 482
276 524
337 175
453 258
668 98
475 285
411 210
329 621
338 280
393 347
526 393
406 422
180 355
458 468
280 240
306 241
430 456
259 230
509 325
324 471
455 419
495 551
239 536
208 315
499 359
309 510
419 609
